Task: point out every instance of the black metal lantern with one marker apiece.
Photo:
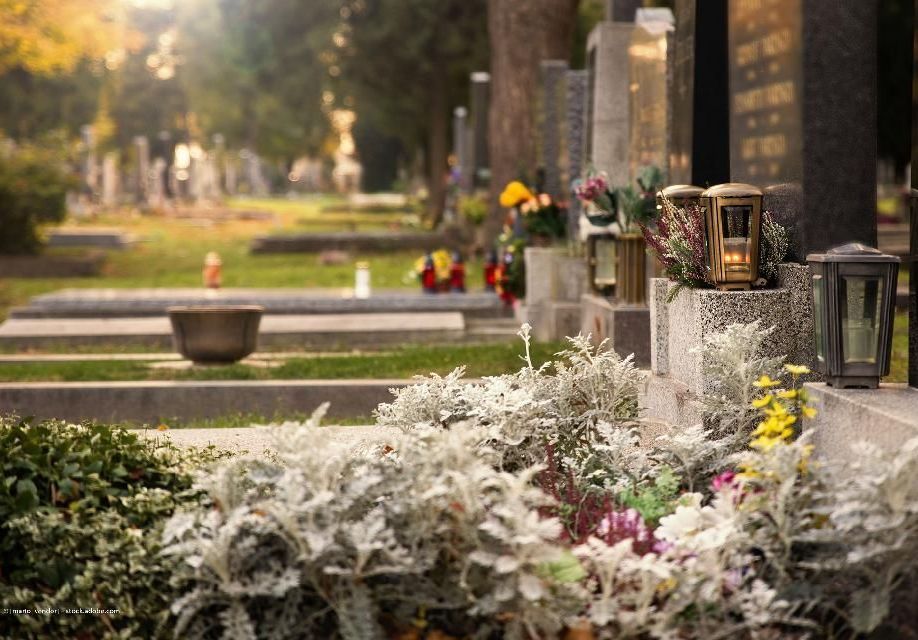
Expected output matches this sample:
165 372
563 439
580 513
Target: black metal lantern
733 225
602 262
854 297
680 195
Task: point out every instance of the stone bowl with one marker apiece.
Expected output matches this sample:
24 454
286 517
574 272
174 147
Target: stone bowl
215 334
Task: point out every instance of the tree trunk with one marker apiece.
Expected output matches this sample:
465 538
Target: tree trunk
437 149
521 35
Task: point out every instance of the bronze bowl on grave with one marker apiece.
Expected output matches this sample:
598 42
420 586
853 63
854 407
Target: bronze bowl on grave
215 334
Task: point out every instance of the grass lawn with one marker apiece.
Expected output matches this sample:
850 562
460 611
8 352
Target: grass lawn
898 370
406 362
172 253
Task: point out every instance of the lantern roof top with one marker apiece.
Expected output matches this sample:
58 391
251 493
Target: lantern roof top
731 190
682 191
852 252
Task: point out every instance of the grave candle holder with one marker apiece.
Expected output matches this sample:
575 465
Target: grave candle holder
602 263
854 297
681 195
733 226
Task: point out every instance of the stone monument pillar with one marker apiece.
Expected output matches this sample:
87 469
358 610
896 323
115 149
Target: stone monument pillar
110 179
142 147
481 92
461 146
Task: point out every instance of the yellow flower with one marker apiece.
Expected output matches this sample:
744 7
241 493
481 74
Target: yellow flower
765 381
797 369
789 394
514 193
162 427
808 412
762 402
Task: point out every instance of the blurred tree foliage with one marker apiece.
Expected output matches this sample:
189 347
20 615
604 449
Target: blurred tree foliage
403 65
255 72
54 36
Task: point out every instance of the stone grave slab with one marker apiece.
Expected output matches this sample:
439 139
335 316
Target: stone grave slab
113 303
353 330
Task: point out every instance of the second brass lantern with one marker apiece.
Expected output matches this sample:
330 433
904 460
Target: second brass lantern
733 227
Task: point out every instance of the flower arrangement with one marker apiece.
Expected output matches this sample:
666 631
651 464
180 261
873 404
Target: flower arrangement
540 215
438 271
600 204
523 506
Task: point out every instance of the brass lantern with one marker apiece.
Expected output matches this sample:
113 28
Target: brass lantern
681 195
733 225
854 297
602 262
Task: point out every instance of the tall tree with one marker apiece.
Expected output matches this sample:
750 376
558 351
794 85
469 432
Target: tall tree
522 34
406 64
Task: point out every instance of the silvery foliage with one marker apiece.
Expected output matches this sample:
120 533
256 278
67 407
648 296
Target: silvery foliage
731 361
586 396
321 541
866 541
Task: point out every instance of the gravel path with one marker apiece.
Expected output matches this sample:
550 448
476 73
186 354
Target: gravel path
257 439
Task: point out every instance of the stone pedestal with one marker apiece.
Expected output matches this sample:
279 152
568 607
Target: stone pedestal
554 284
627 327
679 328
886 417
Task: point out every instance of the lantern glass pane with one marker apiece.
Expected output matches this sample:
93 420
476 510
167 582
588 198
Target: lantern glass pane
860 298
606 262
735 223
818 311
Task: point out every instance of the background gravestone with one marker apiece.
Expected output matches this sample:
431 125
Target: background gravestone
649 102
552 111
803 115
699 139
481 91
575 104
608 90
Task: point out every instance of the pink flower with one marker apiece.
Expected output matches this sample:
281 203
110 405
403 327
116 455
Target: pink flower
727 479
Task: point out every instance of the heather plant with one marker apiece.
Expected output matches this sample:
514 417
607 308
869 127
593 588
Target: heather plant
678 242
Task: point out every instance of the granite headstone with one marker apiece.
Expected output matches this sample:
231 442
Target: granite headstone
699 142
576 107
649 103
803 115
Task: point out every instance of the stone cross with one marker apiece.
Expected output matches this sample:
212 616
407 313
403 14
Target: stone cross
803 115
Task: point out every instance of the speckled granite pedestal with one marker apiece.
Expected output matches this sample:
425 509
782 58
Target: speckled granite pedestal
679 328
886 417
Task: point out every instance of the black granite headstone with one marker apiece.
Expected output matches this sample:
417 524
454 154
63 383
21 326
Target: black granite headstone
913 249
803 115
699 147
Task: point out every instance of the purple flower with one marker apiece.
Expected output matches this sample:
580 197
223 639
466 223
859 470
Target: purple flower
727 479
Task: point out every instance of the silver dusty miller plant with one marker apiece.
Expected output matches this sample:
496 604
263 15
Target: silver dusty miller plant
567 403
